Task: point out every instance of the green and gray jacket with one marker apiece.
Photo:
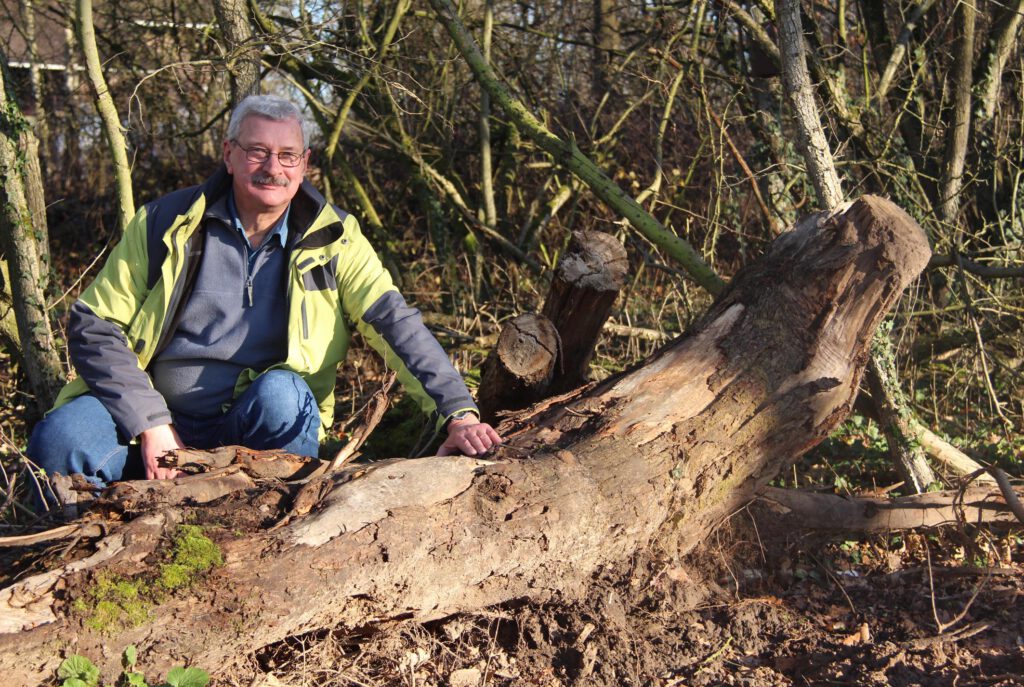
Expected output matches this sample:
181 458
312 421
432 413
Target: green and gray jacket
127 315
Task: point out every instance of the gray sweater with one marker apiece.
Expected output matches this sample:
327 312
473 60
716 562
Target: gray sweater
235 318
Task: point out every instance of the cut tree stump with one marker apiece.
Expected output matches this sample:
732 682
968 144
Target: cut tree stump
587 281
518 372
542 355
664 452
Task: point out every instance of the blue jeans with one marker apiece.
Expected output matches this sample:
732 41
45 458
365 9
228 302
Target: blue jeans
277 411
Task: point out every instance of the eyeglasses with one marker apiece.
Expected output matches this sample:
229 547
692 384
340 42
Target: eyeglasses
261 155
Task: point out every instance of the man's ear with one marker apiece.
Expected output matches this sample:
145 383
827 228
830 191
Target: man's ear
227 156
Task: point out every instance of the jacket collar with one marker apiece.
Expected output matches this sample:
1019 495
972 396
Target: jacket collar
306 206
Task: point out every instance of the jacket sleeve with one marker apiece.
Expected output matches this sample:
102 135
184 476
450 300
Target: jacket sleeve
396 331
97 343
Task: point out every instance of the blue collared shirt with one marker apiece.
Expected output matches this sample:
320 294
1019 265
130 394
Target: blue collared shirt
280 230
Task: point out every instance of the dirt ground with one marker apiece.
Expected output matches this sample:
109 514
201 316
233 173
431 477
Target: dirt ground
751 607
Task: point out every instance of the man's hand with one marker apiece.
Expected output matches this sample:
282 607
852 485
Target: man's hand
155 442
469 437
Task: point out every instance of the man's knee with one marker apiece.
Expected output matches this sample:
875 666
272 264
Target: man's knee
284 394
79 437
277 411
51 445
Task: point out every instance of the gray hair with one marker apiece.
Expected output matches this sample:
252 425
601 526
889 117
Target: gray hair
271 107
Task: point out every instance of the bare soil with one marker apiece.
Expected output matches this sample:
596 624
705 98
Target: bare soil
751 607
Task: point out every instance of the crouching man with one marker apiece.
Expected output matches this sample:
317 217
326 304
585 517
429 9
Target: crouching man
222 315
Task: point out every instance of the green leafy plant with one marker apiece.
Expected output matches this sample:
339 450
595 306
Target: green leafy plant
131 678
79 671
187 677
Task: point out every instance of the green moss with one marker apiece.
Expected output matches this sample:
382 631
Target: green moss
192 553
195 550
105 617
174 576
113 604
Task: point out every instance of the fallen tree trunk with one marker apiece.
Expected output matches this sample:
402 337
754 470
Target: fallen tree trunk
663 452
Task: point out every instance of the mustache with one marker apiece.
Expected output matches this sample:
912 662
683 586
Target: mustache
269 179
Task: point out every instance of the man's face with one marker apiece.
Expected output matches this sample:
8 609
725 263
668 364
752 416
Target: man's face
265 186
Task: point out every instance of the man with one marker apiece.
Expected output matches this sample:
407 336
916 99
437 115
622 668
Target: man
220 318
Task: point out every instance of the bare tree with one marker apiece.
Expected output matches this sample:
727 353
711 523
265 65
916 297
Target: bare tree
19 243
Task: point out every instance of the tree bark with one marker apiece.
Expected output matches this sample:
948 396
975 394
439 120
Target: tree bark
959 129
112 129
35 160
542 355
486 168
897 422
19 243
997 52
243 57
665 452
820 167
606 43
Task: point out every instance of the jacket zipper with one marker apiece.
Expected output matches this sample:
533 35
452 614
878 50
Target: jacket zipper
247 260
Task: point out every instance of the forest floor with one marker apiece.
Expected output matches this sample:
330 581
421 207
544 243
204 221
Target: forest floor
752 607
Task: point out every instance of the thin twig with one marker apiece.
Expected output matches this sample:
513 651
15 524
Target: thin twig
372 413
28 466
968 265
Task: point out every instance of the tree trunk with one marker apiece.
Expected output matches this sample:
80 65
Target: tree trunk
810 134
486 168
34 160
666 452
897 422
891 406
518 372
243 57
606 43
107 110
959 118
19 243
998 50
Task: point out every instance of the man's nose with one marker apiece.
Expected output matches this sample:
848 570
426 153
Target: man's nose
273 164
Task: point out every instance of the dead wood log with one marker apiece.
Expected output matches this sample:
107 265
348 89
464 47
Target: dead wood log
804 509
542 355
663 452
